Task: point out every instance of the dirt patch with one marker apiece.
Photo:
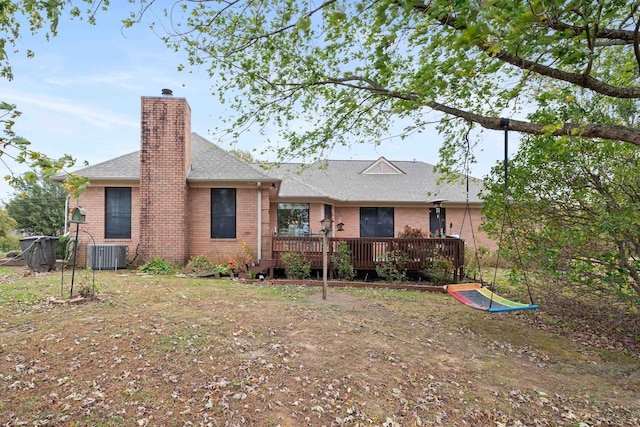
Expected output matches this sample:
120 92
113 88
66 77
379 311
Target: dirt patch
175 351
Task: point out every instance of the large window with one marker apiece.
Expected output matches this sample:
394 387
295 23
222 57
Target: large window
376 222
293 219
223 213
117 213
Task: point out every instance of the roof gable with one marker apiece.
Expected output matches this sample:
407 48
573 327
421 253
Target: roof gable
382 166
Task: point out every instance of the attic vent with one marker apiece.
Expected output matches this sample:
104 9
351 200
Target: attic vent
108 257
382 167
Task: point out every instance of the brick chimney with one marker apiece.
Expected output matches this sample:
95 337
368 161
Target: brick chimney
165 159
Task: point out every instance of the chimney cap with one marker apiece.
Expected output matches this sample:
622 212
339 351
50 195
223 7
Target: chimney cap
167 92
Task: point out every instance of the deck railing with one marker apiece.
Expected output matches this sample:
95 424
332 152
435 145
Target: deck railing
409 254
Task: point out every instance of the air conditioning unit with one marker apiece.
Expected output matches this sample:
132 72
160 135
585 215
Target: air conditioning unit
108 257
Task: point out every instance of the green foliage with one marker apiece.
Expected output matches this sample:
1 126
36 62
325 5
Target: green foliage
38 17
440 271
17 148
575 209
482 263
350 70
85 285
10 243
387 269
34 16
341 261
7 225
295 267
412 233
157 266
38 204
223 269
244 155
200 264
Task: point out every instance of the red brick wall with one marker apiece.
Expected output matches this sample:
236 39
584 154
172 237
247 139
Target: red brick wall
417 217
223 250
165 144
456 216
93 201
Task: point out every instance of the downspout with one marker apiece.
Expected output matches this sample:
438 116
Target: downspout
259 221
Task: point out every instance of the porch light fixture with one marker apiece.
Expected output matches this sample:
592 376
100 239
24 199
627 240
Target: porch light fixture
437 204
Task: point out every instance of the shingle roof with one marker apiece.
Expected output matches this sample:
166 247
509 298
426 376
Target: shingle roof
125 167
211 163
343 180
339 180
208 163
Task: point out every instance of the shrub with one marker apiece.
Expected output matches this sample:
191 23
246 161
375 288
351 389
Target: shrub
295 267
9 243
157 266
200 264
241 261
387 269
341 261
440 271
412 233
222 269
483 260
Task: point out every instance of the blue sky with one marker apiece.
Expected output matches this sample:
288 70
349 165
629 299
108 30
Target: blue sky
80 95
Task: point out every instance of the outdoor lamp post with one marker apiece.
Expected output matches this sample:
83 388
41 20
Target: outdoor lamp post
325 228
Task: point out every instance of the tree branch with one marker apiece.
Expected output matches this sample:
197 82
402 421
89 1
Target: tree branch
591 130
578 79
581 80
611 132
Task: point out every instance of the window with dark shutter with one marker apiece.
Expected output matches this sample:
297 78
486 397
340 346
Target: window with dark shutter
223 213
117 213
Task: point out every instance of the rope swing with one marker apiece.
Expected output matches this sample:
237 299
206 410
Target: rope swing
475 295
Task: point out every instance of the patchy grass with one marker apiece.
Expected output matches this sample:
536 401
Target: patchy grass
173 351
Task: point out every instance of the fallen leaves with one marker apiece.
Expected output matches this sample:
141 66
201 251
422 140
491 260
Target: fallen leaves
150 357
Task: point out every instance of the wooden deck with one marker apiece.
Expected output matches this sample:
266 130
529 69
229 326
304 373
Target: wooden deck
409 254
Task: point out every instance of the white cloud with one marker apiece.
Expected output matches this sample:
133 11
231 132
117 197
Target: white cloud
91 114
116 79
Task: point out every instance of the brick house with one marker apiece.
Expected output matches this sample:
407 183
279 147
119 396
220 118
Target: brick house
181 196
